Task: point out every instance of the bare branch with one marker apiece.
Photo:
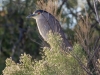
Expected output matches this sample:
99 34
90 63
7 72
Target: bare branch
97 16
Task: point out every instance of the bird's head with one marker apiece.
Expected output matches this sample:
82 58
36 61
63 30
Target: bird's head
36 14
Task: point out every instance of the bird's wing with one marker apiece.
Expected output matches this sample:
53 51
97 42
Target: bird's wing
56 27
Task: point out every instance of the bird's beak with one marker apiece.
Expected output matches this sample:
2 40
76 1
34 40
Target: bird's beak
31 15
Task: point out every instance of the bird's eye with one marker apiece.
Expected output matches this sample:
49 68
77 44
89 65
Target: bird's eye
38 13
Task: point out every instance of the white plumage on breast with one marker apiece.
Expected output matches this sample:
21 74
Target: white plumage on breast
43 28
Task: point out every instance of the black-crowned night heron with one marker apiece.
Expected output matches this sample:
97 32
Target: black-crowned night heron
46 22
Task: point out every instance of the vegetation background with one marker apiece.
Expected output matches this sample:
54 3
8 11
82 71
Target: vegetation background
24 52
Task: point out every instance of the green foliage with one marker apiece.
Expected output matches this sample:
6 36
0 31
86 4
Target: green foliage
17 32
54 61
24 68
2 63
72 3
12 41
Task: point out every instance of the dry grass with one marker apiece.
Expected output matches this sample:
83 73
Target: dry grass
84 33
89 39
51 6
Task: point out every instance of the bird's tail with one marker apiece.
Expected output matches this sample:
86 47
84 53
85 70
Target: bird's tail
67 45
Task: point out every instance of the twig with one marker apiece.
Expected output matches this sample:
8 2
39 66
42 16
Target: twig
88 1
95 49
33 40
97 16
22 35
2 39
80 63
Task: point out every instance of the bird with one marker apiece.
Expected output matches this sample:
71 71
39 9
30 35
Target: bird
46 22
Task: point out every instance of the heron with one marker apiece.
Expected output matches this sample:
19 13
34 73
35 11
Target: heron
46 22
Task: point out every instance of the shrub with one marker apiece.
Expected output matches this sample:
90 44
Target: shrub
54 61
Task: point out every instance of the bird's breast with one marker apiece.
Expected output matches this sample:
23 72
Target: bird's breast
43 28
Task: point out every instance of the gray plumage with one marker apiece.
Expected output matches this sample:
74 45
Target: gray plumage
46 22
